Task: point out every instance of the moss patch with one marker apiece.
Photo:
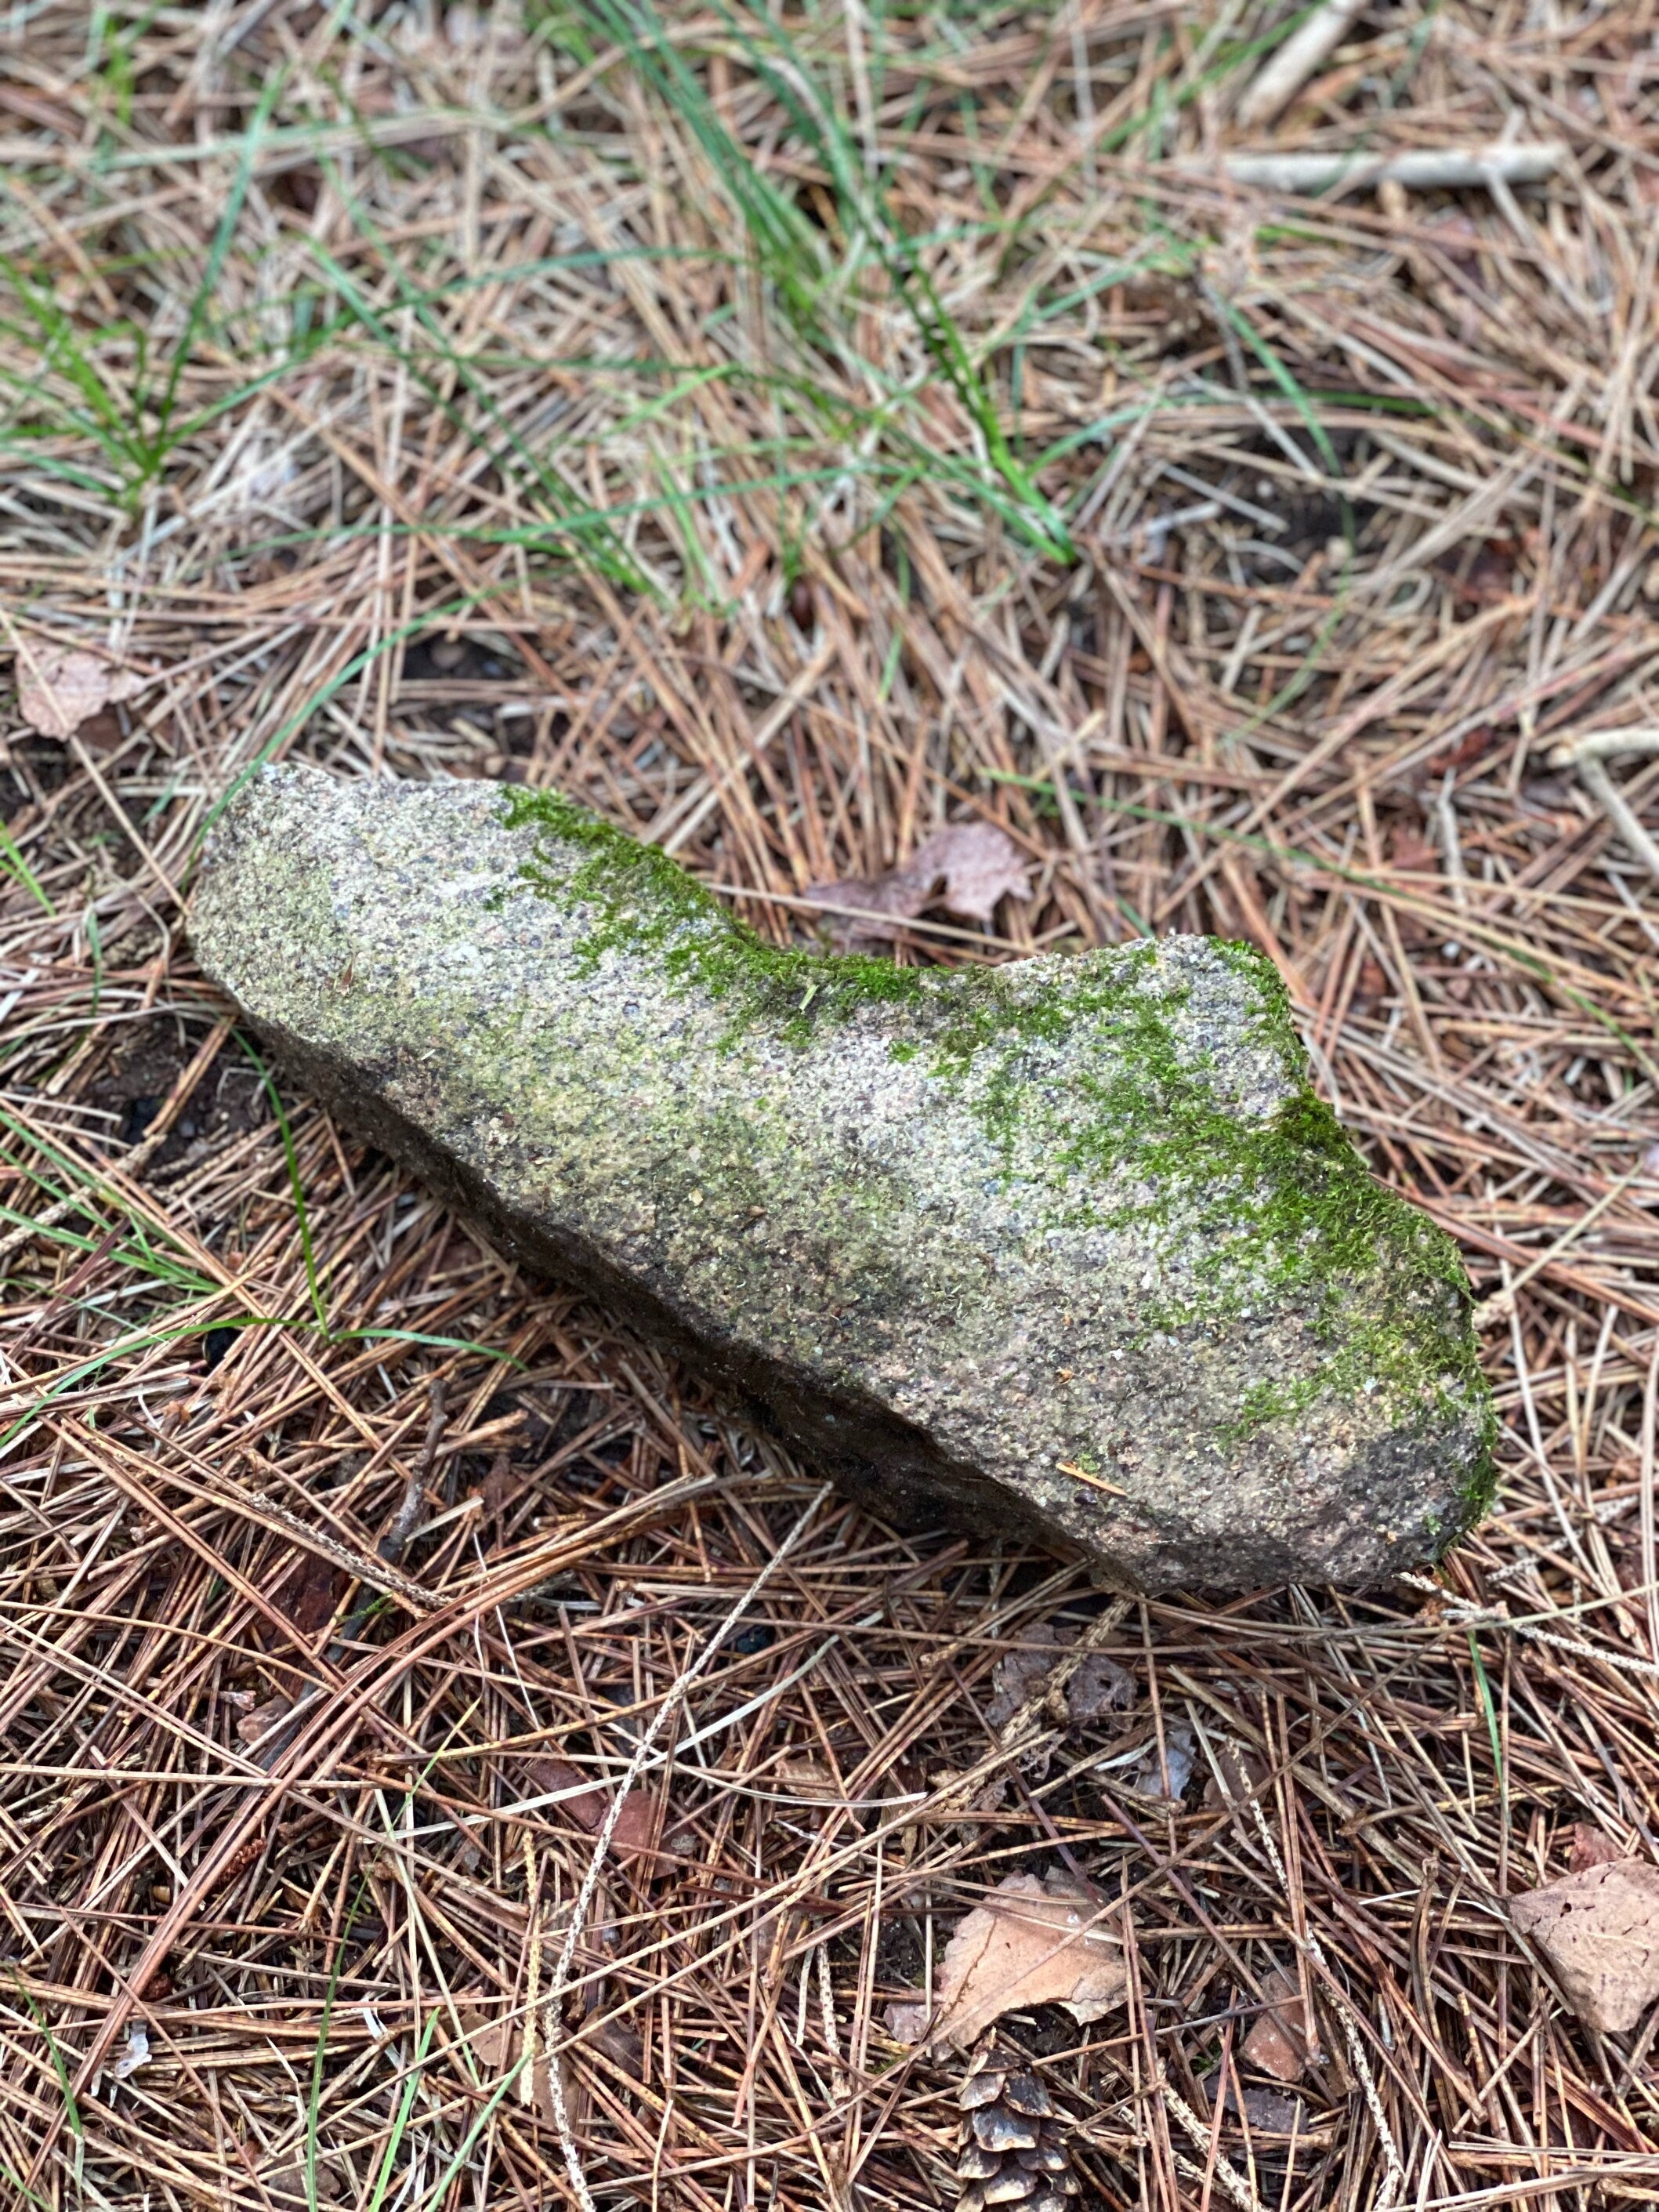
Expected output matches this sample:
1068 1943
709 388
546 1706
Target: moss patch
647 903
1236 1207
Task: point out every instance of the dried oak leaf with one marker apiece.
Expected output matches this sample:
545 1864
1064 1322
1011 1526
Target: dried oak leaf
497 2044
1279 2044
1267 2112
1241 1775
1599 1930
500 1485
636 1833
290 2190
311 1595
1018 1675
584 1806
58 689
965 868
1100 1686
1590 1848
800 1775
1030 1680
262 1718
1030 1942
621 2045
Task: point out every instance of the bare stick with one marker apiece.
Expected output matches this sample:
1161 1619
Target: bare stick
1284 73
392 1545
1638 740
1587 754
1428 169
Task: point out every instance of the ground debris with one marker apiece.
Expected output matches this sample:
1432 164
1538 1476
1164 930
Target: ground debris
965 868
59 688
1599 1930
1031 1941
1281 2042
1011 2142
435 398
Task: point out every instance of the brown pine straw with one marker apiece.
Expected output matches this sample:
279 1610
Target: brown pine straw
300 1841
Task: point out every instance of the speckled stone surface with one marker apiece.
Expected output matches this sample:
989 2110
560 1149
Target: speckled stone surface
1065 1248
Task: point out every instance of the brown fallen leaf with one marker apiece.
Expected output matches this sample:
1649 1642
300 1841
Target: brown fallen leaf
1241 1775
965 867
1099 1686
498 2044
1040 1686
636 1833
1017 1676
311 1595
290 2190
620 2043
1279 2043
584 1806
1030 1942
800 1777
1599 1930
1590 1848
1096 1685
262 1718
1265 2111
102 733
58 688
500 1484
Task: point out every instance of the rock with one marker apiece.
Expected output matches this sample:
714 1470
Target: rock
1067 1246
1599 1929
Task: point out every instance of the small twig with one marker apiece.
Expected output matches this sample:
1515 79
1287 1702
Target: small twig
1423 169
1284 73
404 1521
1586 754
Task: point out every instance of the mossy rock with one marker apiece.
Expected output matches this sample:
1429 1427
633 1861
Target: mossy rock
1067 1246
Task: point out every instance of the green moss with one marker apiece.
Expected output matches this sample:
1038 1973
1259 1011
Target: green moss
1480 1485
647 902
1277 1208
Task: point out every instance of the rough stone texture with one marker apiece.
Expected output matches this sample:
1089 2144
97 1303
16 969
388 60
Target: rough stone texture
1067 1247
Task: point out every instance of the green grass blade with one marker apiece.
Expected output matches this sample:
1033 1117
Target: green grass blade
587 530
435 2196
140 1340
1489 1707
72 2110
421 1336
313 1285
400 2123
14 865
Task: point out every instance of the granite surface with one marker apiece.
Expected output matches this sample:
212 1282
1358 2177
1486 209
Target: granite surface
1066 1247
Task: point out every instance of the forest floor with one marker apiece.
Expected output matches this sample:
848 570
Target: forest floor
790 429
